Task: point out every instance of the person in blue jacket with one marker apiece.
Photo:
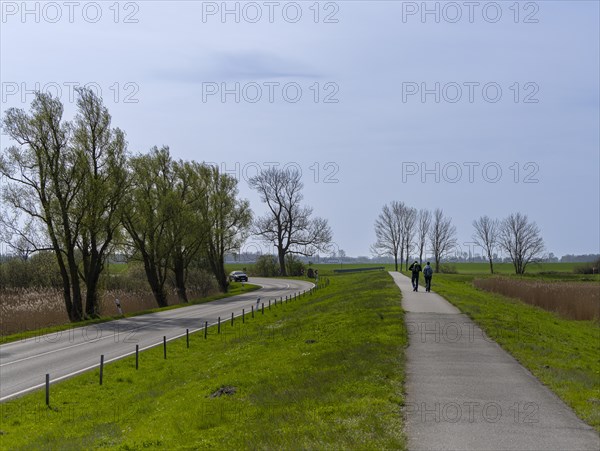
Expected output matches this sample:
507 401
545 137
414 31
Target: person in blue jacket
428 273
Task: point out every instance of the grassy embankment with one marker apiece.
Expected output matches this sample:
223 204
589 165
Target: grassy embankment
563 354
324 371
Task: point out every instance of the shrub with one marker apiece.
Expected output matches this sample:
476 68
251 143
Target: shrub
445 268
587 268
294 266
40 270
266 266
201 282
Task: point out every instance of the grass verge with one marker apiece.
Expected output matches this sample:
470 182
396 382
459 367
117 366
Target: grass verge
323 372
563 354
235 288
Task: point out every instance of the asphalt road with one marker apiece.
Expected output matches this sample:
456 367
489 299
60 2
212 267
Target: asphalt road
24 364
464 392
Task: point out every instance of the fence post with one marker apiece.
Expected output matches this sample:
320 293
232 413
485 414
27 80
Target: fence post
137 356
101 367
48 389
165 346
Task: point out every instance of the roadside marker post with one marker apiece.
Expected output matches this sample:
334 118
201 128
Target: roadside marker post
101 367
165 346
205 329
48 389
187 337
137 357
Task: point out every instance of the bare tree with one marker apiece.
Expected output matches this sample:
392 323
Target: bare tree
486 236
408 221
442 236
388 230
423 225
521 240
287 224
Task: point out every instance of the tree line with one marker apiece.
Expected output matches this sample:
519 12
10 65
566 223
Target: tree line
402 231
74 189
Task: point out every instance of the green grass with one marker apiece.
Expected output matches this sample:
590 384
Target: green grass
563 354
235 288
543 270
323 372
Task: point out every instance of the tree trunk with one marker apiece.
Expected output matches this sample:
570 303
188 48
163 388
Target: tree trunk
77 305
221 276
66 285
157 288
282 268
179 270
437 264
401 256
222 281
396 261
92 307
491 264
93 269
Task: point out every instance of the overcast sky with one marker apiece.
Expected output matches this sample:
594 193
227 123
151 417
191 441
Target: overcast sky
476 108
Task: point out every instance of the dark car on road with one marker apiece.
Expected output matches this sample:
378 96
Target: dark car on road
238 276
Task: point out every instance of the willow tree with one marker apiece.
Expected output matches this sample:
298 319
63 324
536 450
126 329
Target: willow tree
44 181
228 219
66 180
100 153
150 202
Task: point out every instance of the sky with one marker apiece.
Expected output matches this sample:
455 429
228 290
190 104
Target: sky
481 108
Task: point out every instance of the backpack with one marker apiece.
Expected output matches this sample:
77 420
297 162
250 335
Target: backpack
428 271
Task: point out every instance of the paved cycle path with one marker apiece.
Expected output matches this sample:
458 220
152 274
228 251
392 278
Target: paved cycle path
464 392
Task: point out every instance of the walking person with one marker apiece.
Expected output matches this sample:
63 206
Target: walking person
428 273
416 269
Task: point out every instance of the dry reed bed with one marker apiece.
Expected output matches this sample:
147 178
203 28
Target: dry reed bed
23 309
572 300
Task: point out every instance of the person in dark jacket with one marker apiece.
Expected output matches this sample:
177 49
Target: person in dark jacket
428 273
416 269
